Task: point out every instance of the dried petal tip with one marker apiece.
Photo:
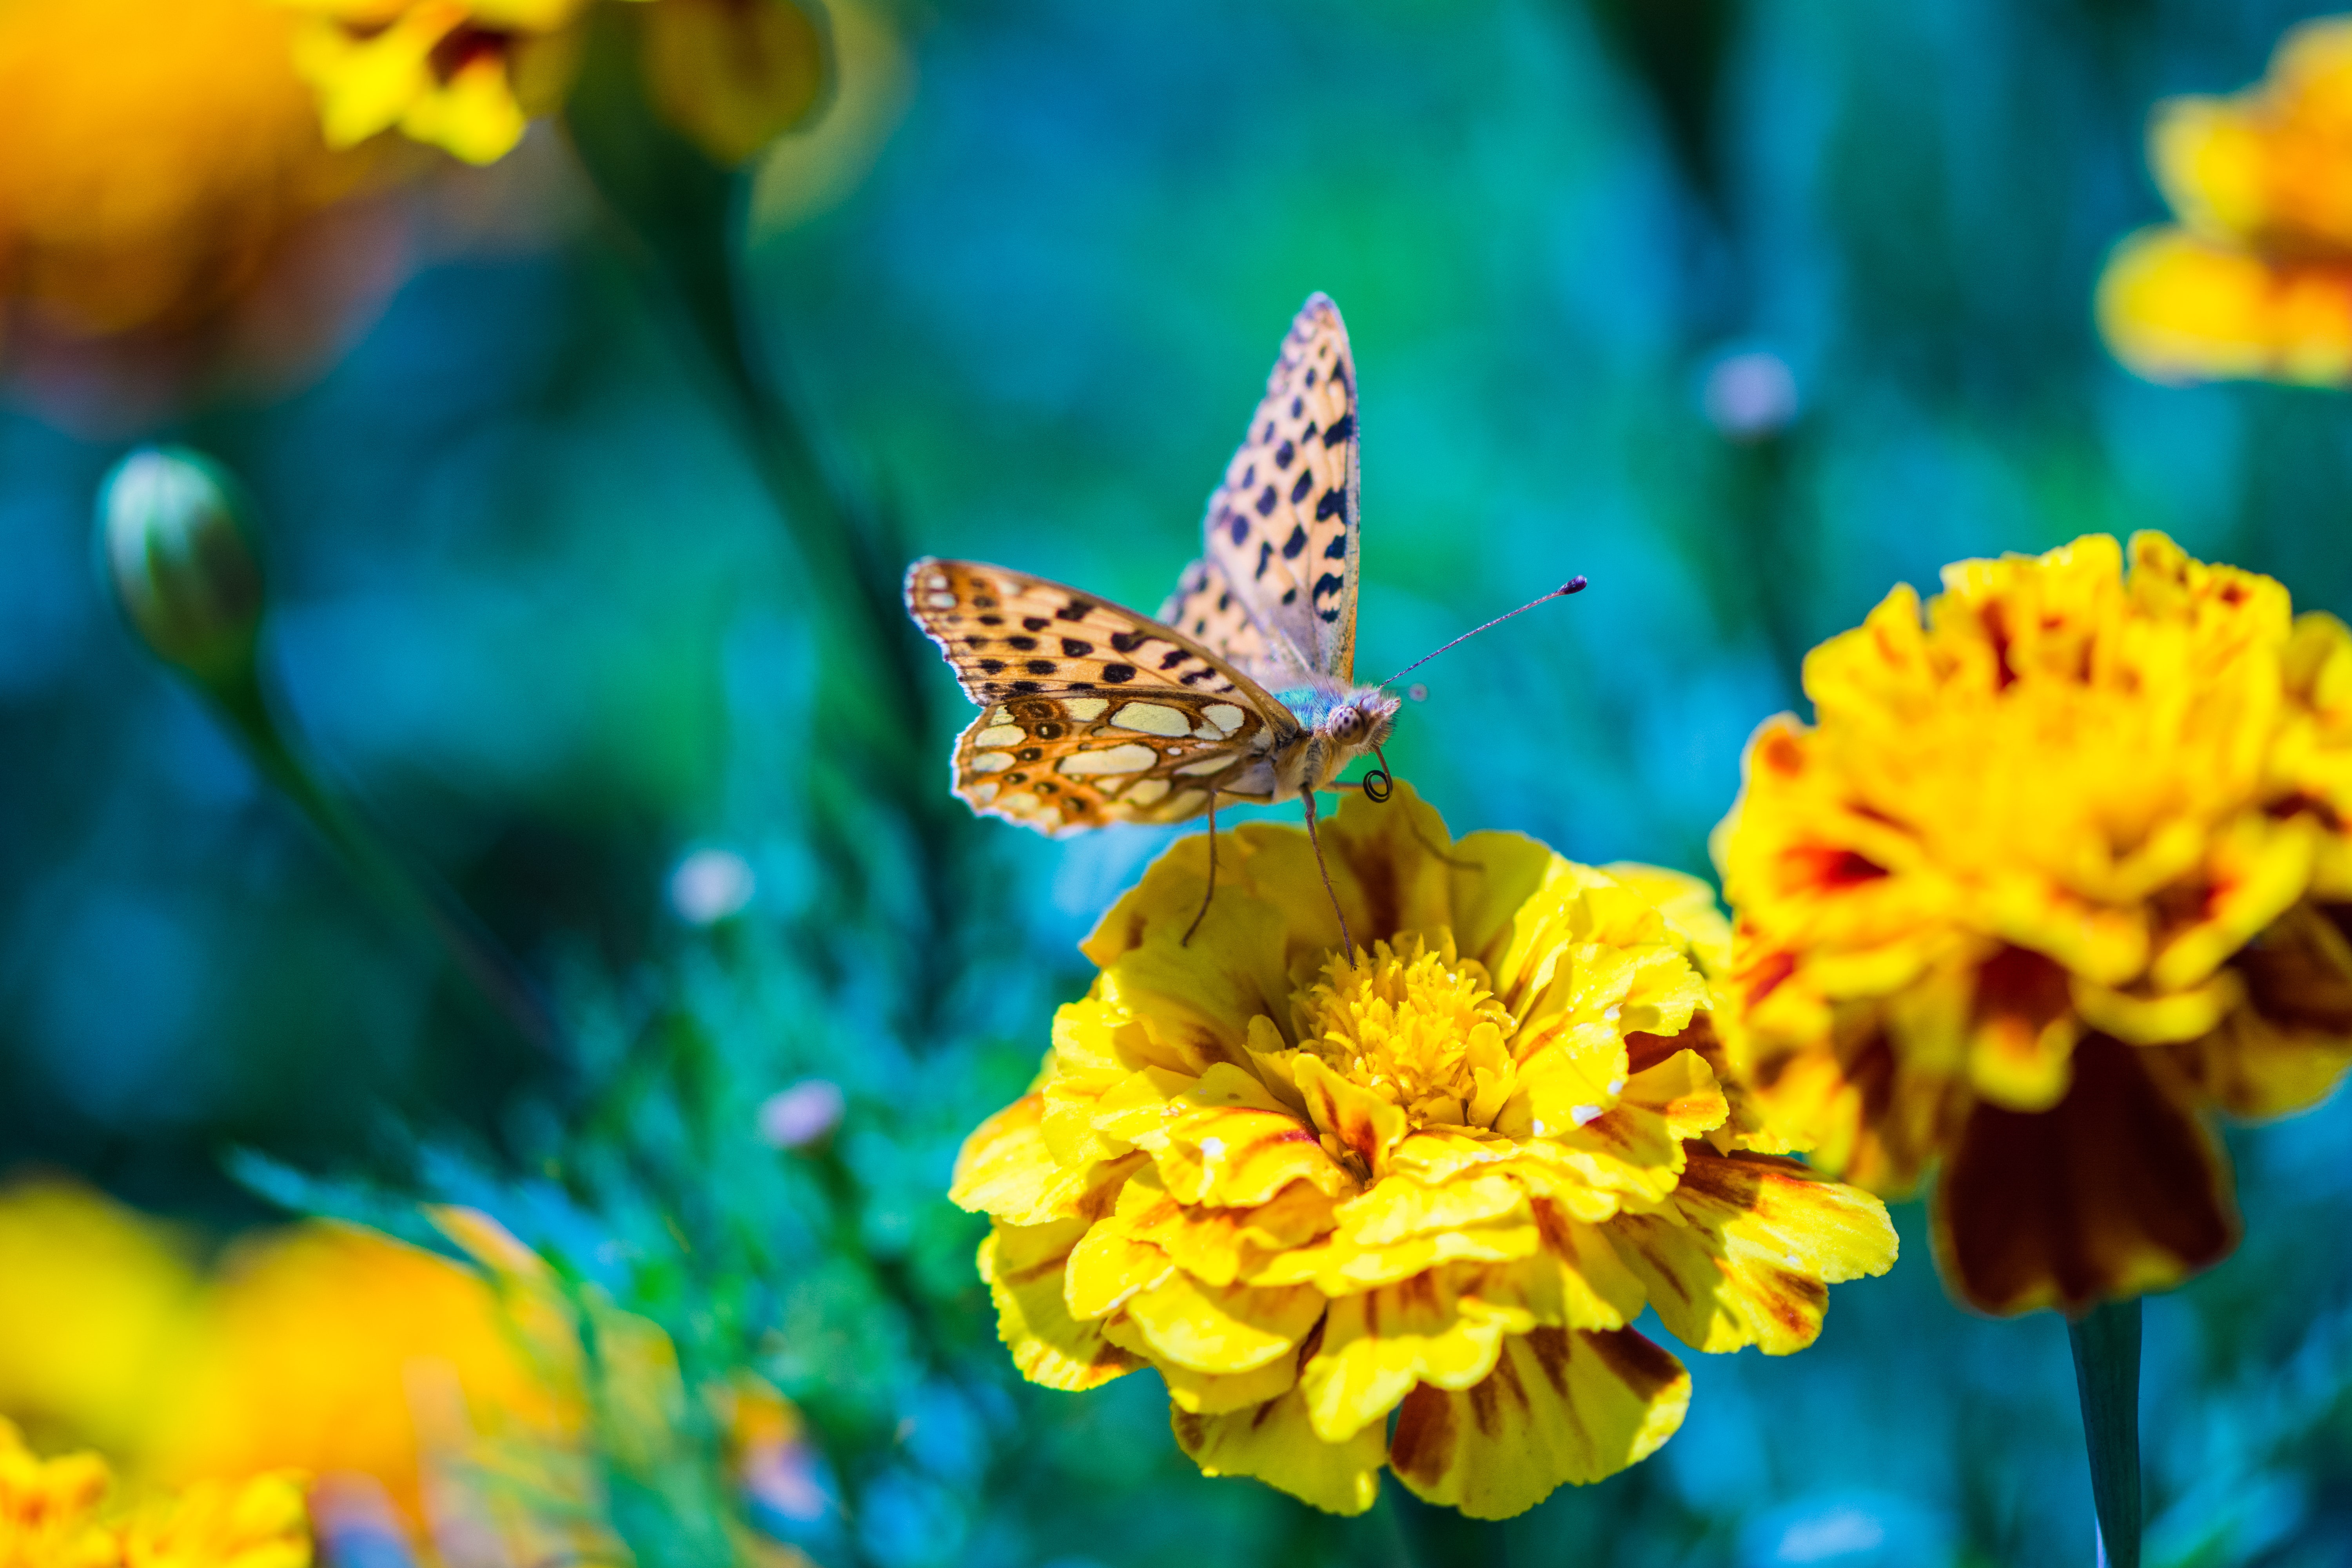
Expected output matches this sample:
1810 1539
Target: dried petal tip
181 562
1573 585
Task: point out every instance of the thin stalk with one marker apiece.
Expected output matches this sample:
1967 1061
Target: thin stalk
412 896
2107 1376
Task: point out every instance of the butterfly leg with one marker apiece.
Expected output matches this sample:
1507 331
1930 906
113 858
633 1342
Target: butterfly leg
1307 798
1211 894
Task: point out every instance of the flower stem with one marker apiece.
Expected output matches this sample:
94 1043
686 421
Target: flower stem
2107 1376
410 894
1436 1537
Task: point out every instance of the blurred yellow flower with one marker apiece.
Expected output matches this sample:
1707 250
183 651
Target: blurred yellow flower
57 1513
463 75
469 76
1435 1179
2257 281
2048 876
330 1349
159 155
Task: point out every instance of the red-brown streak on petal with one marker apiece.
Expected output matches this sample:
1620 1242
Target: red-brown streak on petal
2297 803
1036 1271
1828 868
1644 1050
1549 1346
2291 983
1638 1364
1423 1438
2017 983
2057 1205
1764 976
1781 752
1997 633
463 46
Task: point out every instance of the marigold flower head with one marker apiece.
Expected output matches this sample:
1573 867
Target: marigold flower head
2053 872
1398 1206
57 1514
2257 280
160 156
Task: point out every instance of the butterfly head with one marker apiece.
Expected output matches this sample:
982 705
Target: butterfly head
1361 721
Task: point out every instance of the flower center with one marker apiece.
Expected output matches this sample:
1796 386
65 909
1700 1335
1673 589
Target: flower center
1414 1024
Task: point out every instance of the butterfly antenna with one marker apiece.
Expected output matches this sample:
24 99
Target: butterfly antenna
1573 585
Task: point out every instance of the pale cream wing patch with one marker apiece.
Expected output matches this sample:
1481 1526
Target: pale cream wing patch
1284 525
1064 763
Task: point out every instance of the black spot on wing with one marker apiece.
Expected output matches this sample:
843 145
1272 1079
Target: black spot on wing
1035 623
1334 503
1327 585
1298 491
1118 674
1026 644
1292 546
1266 500
1041 666
1240 528
1174 658
1283 455
1264 554
1128 642
1338 548
1076 610
1075 648
992 667
1344 427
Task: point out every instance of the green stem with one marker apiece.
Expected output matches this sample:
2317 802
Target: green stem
1438 1537
2106 1377
411 894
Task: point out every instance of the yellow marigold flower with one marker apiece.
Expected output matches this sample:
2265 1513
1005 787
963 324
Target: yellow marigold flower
2258 282
2050 874
55 1513
468 75
159 156
1434 1179
463 75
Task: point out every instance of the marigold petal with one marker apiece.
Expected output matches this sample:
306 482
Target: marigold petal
1576 1279
1006 1169
1025 1266
1748 1249
1434 1327
1108 1268
2288 1046
1214 1394
1276 1443
2116 1191
1561 1406
1222 1328
1358 1120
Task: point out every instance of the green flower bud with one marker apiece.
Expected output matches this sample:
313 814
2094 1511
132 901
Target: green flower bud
175 543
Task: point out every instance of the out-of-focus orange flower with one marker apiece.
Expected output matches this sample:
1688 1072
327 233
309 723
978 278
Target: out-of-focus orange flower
2256 282
158 154
322 1345
2059 868
57 1513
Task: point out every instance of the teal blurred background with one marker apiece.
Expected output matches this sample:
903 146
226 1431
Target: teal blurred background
1745 309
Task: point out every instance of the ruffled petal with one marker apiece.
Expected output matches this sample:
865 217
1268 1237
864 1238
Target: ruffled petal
1023 1266
2116 1191
1435 1328
1561 1406
1276 1443
1746 1252
1006 1169
1222 1328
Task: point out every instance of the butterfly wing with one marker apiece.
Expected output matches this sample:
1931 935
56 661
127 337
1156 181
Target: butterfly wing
1094 714
1282 530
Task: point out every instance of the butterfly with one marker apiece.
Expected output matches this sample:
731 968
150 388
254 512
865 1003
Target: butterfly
1242 688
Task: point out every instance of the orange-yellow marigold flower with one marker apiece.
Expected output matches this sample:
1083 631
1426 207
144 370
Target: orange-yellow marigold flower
1431 1181
57 1513
2049 874
2257 281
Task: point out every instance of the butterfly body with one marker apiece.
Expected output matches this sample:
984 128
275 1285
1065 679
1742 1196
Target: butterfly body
1240 690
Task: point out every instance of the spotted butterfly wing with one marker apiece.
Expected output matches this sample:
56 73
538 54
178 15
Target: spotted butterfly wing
1092 713
1276 588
